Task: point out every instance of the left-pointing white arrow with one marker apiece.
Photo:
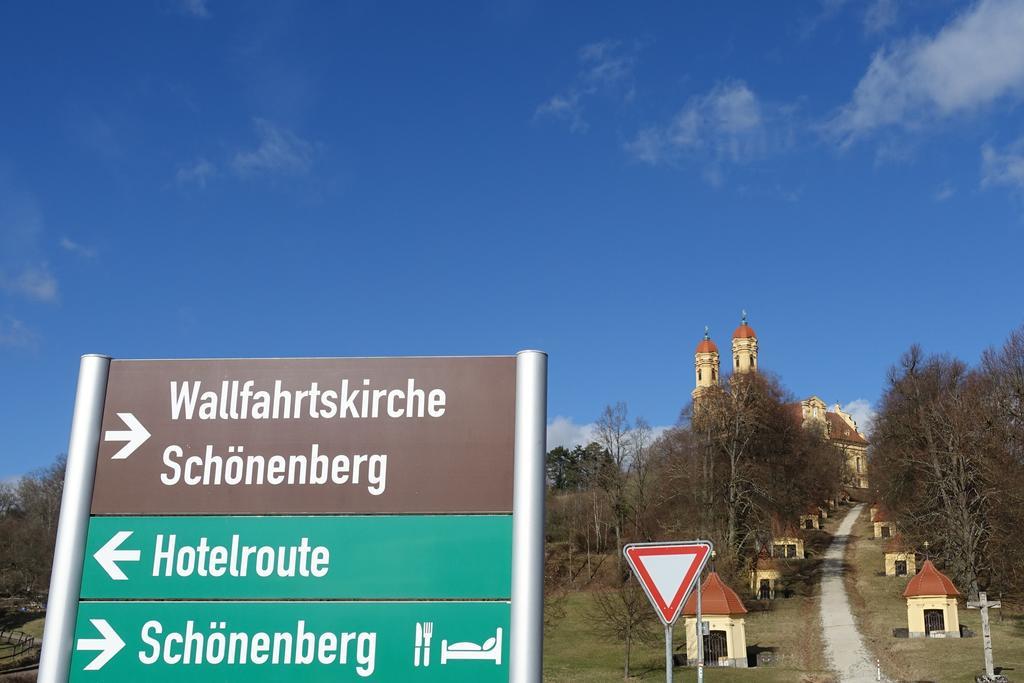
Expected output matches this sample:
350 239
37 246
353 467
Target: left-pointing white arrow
107 646
110 554
135 436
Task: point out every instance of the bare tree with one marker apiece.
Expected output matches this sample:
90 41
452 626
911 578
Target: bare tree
932 447
624 614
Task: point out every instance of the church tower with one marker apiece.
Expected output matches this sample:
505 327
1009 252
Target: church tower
744 348
706 364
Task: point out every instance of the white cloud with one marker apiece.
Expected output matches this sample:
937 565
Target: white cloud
279 151
880 15
1004 167
14 334
606 62
566 107
727 125
23 268
67 244
945 191
973 61
605 68
196 8
863 414
197 173
33 282
562 431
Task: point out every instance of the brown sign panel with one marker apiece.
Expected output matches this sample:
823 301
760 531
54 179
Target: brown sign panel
329 436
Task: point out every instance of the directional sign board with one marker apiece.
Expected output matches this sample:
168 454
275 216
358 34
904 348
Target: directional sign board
302 519
668 572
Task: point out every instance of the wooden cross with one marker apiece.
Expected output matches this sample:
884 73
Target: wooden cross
984 604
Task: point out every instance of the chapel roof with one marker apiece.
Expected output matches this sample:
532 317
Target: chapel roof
765 560
896 544
784 529
716 598
882 515
930 581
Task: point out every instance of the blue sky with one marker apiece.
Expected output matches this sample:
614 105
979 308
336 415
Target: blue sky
197 178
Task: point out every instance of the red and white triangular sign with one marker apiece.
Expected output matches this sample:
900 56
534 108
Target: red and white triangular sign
668 572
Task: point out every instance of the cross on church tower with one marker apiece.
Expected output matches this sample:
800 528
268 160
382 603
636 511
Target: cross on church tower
984 604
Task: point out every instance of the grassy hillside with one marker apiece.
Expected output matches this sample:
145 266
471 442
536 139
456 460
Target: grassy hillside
879 607
573 651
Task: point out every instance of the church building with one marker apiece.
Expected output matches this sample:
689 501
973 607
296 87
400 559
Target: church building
838 426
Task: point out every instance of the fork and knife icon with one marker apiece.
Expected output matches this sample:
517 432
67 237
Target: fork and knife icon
424 633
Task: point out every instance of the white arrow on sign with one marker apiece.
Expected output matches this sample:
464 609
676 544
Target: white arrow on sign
110 554
135 435
107 646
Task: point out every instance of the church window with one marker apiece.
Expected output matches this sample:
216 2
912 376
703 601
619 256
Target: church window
858 465
698 374
714 375
815 411
737 362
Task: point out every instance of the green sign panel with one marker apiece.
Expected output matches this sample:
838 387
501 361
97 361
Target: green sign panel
388 642
323 557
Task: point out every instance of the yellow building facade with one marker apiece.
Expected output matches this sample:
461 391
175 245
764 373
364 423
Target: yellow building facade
837 426
883 525
787 542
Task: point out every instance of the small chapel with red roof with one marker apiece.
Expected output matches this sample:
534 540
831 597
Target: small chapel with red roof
725 643
931 605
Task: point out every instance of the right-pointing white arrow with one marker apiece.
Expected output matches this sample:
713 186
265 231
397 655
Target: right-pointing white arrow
135 436
107 646
110 554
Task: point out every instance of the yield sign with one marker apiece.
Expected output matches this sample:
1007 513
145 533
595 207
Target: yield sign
668 572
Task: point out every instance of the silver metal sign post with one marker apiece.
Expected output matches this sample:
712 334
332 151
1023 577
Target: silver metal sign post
668 653
66 576
700 636
526 644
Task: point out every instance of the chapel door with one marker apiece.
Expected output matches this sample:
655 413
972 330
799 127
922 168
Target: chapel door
791 550
766 590
715 648
934 620
886 533
901 567
809 524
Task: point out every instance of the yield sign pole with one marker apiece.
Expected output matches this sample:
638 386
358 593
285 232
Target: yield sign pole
668 573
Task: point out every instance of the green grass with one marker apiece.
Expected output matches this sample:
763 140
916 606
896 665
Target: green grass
879 607
574 652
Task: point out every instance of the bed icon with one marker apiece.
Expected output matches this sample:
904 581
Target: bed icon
491 649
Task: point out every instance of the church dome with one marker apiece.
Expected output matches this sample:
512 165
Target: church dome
744 331
706 346
716 598
930 581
